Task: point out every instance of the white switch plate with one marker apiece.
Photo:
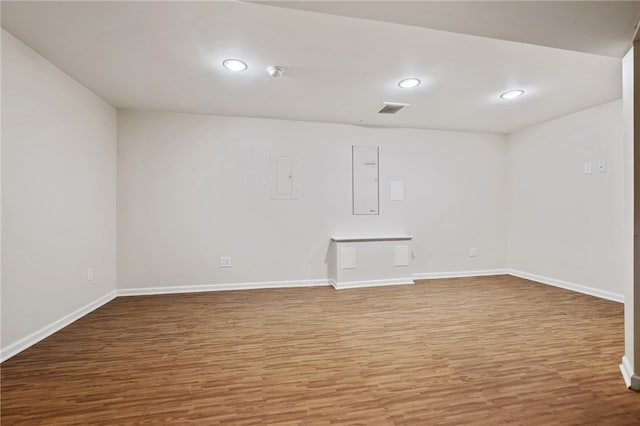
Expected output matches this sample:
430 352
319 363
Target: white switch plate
397 190
473 252
587 168
89 274
225 261
601 167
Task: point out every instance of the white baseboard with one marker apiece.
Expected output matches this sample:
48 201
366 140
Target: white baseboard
371 283
626 370
569 286
48 330
220 287
39 335
631 380
461 274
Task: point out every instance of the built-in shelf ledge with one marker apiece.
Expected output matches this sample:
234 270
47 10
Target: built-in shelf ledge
384 238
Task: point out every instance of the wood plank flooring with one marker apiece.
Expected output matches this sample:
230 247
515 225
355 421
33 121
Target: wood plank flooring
469 351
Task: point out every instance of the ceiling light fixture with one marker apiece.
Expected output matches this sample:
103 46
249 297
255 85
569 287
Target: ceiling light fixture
234 65
512 94
409 83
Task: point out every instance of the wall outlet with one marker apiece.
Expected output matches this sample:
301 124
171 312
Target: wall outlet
225 261
473 252
587 168
89 274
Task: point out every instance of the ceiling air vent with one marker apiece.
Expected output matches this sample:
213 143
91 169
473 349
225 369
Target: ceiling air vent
391 107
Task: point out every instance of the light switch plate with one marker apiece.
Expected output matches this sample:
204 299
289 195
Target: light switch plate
397 190
601 167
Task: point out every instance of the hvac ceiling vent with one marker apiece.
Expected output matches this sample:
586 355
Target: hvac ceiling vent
391 107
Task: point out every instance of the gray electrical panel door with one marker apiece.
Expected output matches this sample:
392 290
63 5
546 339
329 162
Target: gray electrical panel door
365 179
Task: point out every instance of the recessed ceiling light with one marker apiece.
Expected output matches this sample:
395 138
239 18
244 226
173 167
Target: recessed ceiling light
234 65
512 94
408 83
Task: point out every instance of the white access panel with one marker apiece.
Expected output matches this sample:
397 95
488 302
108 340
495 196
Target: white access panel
365 180
283 170
284 176
400 255
347 259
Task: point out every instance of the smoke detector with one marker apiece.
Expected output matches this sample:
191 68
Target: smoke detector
275 71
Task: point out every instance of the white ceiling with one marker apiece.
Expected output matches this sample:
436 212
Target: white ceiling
167 56
600 27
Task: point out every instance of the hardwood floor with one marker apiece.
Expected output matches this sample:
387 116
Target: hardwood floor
469 351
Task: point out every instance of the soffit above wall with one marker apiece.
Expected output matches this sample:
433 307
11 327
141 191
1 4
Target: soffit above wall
598 27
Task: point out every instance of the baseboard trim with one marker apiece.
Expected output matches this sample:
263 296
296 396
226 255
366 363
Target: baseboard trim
461 274
626 370
371 283
30 340
568 286
55 326
220 287
632 381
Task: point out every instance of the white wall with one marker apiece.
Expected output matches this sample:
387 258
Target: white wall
58 195
563 224
628 251
192 188
631 360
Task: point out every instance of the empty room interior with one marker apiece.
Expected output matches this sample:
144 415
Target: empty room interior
319 212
